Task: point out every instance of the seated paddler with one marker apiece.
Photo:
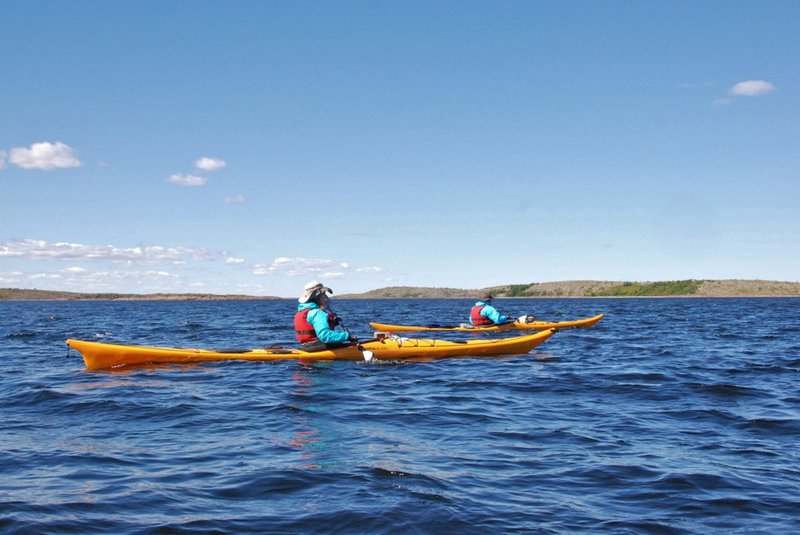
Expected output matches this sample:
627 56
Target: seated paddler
483 314
315 323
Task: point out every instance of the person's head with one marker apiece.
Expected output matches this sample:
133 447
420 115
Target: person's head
487 297
315 292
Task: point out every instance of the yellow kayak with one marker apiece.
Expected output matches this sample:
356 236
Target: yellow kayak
98 356
510 326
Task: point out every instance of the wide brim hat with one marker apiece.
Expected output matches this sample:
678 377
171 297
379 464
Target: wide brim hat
487 297
313 290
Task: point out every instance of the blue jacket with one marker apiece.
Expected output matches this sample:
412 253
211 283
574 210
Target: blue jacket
490 312
319 319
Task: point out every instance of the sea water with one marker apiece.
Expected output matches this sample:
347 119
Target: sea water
669 416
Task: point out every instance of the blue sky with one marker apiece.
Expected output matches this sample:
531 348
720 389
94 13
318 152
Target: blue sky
249 147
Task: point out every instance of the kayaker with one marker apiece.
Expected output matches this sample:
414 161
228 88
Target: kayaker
315 322
484 314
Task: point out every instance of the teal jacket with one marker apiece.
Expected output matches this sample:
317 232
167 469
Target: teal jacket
319 319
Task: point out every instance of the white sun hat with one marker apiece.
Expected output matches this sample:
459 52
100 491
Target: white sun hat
312 290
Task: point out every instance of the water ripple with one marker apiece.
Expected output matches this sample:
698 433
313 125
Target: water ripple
671 416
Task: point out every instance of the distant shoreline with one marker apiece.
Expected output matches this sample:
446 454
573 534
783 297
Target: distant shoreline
565 289
601 289
15 294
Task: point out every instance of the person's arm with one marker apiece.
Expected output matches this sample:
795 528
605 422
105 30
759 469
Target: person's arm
490 312
319 319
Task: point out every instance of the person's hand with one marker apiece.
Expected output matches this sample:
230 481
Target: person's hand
353 339
335 320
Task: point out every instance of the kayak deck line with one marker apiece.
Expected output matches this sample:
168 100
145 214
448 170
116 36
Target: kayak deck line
98 356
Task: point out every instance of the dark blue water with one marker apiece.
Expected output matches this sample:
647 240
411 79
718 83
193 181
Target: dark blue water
670 416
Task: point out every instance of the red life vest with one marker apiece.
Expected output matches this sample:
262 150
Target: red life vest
477 319
303 329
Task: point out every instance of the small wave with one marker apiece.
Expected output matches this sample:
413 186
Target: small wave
420 485
45 400
755 452
276 328
21 335
648 377
641 526
728 336
714 415
700 482
38 395
727 390
773 425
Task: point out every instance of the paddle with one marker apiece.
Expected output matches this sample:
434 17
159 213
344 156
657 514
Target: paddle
338 321
368 355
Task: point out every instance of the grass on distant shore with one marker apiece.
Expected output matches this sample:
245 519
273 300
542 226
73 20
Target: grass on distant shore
624 289
653 289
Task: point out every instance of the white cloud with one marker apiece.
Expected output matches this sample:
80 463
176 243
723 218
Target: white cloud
369 269
153 254
261 269
299 266
46 156
187 180
210 164
72 279
236 199
45 276
155 268
752 88
2 159
10 277
313 267
112 280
